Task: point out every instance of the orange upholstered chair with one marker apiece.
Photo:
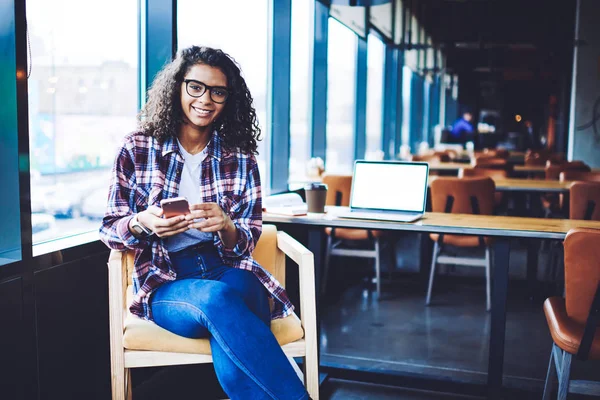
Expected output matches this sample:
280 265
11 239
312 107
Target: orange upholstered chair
573 320
462 196
338 194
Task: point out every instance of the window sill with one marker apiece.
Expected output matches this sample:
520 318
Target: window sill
64 243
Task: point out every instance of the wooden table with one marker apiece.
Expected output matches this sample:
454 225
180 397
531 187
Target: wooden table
526 185
455 167
503 228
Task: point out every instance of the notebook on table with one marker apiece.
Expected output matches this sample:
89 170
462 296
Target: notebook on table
388 190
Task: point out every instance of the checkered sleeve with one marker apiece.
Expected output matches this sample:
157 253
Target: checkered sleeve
246 214
114 231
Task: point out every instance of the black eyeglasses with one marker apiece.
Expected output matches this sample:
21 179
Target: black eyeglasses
194 88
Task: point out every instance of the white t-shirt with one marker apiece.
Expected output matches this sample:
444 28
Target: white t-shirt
189 187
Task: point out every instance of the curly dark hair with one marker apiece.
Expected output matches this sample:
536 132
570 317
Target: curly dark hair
162 115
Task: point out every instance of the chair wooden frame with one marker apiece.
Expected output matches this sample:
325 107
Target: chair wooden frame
123 360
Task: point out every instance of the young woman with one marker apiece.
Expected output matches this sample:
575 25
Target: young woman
194 274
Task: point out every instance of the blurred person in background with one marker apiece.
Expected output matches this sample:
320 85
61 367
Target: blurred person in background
462 130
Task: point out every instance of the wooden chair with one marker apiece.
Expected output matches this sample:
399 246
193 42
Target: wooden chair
493 163
486 172
574 175
136 343
338 194
553 170
462 196
584 201
573 320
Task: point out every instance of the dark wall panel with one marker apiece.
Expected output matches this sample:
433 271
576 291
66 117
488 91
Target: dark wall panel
11 340
72 329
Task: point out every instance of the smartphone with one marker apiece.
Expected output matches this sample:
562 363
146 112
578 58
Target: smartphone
175 206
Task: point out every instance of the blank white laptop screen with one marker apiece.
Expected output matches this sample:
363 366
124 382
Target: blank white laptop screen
392 186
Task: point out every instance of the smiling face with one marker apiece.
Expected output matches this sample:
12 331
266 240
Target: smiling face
200 112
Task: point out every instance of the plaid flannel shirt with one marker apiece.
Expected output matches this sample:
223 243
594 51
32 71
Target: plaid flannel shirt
145 172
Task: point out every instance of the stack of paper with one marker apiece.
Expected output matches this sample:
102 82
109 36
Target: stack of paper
285 204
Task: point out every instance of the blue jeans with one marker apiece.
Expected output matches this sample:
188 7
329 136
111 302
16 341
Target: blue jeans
230 307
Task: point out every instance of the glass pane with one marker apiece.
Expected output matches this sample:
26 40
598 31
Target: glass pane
341 81
242 32
10 225
375 61
82 101
300 89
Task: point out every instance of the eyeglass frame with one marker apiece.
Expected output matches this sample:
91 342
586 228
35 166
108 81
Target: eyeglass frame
206 88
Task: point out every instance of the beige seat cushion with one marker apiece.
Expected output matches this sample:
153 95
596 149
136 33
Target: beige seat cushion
140 334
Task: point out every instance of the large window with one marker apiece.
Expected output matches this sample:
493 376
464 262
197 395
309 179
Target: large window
341 81
239 28
300 89
375 64
82 101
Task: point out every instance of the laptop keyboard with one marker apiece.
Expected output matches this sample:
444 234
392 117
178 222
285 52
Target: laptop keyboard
383 216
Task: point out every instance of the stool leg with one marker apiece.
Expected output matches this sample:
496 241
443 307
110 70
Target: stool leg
129 383
488 289
432 272
550 377
326 263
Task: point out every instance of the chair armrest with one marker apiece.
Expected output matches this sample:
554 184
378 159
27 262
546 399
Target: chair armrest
117 286
306 268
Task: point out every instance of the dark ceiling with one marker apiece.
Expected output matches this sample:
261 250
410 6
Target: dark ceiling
526 37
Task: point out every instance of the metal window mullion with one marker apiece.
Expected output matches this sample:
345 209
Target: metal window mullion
399 100
360 99
389 102
318 61
278 93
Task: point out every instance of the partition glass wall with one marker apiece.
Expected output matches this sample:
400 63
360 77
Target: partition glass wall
239 28
83 99
341 82
375 61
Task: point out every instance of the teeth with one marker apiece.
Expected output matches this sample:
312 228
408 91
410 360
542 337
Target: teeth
201 111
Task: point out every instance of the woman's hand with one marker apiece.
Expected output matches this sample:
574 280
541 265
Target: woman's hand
214 219
162 227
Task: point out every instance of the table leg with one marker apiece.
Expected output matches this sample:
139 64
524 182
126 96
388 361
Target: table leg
533 246
498 323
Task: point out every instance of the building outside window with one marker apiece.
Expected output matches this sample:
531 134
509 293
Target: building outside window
240 29
83 93
375 64
341 81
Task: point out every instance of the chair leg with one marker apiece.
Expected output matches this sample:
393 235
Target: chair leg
118 384
550 377
129 383
432 272
311 374
564 376
377 268
326 263
488 289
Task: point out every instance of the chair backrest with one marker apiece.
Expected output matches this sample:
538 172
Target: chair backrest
574 175
483 172
582 271
266 253
553 170
463 195
490 162
584 200
338 189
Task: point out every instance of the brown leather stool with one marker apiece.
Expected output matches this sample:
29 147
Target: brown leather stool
461 196
574 319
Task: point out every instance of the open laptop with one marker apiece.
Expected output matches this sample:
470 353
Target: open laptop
388 190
